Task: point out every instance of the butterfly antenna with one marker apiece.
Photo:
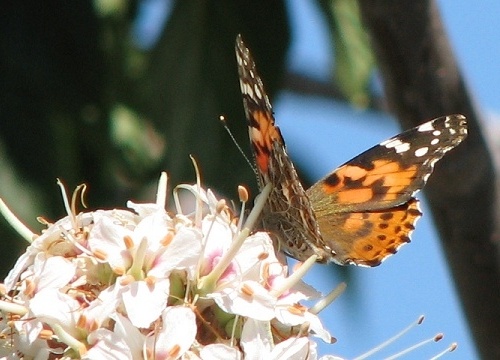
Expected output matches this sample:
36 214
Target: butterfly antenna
223 121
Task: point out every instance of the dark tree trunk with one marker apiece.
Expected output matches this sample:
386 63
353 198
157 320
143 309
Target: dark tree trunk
422 81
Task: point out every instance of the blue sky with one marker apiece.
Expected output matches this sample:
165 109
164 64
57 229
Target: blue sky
322 134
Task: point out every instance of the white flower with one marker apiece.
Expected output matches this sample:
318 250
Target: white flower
120 284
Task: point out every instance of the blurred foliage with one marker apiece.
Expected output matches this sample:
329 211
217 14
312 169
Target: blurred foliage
354 60
80 100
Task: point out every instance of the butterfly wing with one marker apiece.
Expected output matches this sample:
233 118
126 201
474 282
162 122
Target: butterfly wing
365 208
288 214
259 113
363 211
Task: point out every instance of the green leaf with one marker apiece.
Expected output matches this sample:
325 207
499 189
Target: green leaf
354 60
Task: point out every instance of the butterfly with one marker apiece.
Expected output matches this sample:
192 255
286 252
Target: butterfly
360 213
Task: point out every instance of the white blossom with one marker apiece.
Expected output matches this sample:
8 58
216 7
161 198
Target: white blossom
151 284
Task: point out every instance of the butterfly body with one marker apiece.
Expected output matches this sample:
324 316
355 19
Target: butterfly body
364 210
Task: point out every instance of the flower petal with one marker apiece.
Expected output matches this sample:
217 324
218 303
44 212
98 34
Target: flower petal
177 334
249 298
220 351
256 339
144 303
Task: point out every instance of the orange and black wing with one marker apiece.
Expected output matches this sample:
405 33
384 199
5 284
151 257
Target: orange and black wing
366 208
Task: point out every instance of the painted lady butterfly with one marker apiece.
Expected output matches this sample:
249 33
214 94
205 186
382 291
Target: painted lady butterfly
360 213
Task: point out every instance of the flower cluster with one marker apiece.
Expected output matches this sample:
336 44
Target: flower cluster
147 284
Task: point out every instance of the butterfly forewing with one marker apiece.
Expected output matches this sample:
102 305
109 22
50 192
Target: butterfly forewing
390 173
259 113
288 213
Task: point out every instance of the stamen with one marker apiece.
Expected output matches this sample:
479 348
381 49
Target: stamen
14 221
69 340
328 299
69 237
263 256
198 208
12 308
260 202
124 281
416 346
150 281
450 348
128 242
177 202
161 195
204 244
173 353
71 210
297 309
198 200
295 277
391 340
233 330
167 239
118 270
45 334
138 260
82 196
65 198
221 205
43 221
247 290
100 254
243 195
80 189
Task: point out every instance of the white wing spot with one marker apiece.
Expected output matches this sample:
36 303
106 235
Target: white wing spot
436 132
397 144
426 127
249 91
452 131
422 151
402 148
257 92
434 141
